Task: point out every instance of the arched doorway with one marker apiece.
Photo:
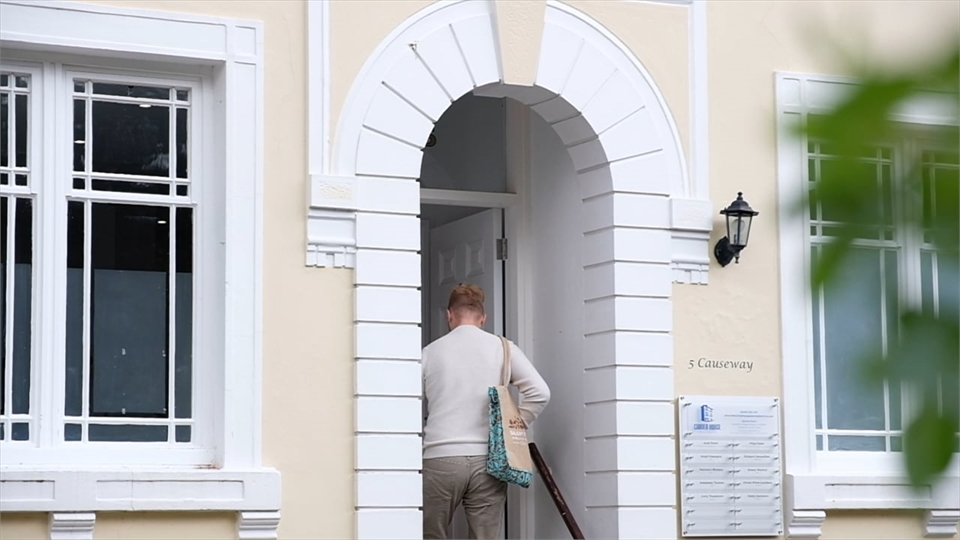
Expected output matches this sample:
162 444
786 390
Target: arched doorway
625 162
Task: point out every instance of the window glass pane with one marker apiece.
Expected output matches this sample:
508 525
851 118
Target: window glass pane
184 315
3 301
892 273
856 444
20 135
120 186
127 433
79 134
817 375
4 130
828 171
20 432
131 139
130 255
22 306
183 434
812 176
865 179
926 282
946 203
928 187
16 221
72 432
948 282
852 311
123 90
182 143
887 192
896 444
73 404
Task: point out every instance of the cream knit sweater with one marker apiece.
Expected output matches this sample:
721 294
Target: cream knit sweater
457 371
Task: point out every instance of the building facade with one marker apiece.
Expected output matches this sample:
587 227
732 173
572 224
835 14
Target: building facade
223 341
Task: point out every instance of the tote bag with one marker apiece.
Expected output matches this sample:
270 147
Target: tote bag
508 452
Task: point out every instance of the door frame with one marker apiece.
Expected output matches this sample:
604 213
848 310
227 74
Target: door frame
516 294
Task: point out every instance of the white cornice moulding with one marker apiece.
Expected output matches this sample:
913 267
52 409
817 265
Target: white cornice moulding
72 525
805 523
257 525
942 523
690 224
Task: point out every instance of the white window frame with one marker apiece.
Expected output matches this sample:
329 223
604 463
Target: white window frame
230 52
820 480
51 174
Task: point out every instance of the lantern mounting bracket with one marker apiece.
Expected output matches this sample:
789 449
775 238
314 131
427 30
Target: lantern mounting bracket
724 252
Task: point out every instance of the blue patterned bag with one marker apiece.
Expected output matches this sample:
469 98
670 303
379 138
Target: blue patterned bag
508 452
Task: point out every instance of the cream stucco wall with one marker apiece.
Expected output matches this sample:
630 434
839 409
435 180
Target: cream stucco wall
307 319
23 526
748 42
154 525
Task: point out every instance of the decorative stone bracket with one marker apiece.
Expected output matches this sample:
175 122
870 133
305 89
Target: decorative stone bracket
805 523
690 224
331 222
941 523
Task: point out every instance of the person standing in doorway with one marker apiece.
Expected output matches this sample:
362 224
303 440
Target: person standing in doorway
458 369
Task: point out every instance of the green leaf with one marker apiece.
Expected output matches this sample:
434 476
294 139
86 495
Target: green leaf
928 445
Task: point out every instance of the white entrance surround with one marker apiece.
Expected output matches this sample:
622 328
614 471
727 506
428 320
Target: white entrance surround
637 208
236 481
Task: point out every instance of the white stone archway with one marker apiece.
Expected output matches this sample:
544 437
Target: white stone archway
625 147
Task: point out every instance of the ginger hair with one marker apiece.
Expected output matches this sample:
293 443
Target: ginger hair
466 296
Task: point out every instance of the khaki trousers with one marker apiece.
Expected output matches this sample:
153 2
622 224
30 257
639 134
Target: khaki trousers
451 481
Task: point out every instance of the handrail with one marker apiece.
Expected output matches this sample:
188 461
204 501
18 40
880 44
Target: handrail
555 494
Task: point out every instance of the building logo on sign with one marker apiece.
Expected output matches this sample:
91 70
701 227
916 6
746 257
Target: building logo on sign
706 422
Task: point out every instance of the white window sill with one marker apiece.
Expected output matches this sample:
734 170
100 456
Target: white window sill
869 492
138 489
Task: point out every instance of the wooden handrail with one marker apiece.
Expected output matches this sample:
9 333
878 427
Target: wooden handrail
555 494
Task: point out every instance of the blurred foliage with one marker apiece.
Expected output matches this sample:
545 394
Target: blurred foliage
927 349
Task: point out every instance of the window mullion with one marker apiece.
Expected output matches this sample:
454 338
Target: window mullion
48 288
910 252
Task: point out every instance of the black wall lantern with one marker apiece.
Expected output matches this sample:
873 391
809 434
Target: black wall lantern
739 217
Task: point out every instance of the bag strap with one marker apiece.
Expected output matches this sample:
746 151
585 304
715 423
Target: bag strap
505 370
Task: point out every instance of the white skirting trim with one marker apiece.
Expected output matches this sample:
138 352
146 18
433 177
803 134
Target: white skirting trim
72 525
257 525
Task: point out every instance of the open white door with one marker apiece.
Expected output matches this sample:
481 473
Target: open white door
465 251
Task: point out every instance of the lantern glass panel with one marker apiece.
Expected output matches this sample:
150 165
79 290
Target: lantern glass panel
739 227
